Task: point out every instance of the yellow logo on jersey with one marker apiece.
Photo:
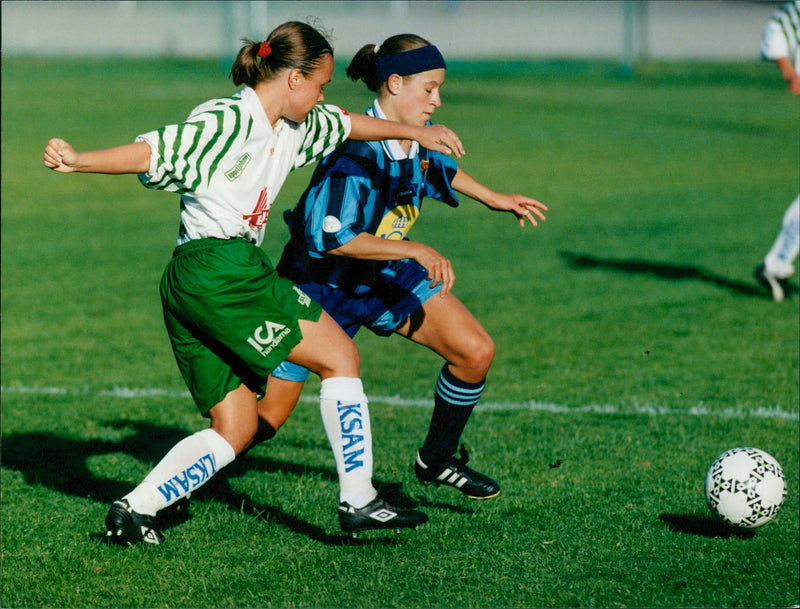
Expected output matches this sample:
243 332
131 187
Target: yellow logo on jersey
397 222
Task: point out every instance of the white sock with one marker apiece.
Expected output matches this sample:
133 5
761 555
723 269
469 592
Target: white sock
188 465
345 415
780 259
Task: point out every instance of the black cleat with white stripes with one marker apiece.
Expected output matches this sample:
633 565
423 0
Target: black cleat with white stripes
456 473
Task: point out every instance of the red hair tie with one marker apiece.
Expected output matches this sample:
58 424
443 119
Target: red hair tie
264 49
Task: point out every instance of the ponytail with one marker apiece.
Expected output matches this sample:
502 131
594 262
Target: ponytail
364 66
292 45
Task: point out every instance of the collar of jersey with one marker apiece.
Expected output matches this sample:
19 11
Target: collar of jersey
392 148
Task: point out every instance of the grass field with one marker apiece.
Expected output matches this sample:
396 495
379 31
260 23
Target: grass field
633 347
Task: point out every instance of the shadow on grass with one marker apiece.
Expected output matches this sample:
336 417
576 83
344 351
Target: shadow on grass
667 271
60 464
705 526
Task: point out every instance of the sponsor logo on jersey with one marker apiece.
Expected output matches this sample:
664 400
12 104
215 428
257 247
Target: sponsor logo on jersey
350 422
192 477
423 165
397 222
259 216
238 167
268 336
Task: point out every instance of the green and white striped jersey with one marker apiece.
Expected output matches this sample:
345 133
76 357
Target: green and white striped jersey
228 163
781 34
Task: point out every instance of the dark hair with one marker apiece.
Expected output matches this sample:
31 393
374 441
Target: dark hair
364 65
293 45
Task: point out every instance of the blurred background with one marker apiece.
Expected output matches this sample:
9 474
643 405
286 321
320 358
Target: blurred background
627 31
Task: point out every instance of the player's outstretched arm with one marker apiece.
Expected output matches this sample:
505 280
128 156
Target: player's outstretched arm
524 208
432 137
60 156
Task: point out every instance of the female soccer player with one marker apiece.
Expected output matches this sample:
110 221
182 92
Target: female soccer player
229 316
348 250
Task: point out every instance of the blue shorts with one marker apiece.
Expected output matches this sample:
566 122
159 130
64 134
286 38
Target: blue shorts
401 290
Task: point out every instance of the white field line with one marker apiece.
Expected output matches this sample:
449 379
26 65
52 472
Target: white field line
698 410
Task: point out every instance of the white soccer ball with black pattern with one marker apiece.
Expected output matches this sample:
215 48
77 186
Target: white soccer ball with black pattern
745 487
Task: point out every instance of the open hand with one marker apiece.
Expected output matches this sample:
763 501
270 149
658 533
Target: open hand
525 208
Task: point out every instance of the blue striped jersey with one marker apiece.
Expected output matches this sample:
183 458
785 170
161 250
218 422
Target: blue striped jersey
370 187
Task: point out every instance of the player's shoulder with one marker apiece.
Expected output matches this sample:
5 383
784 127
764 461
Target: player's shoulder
370 150
357 157
330 110
221 104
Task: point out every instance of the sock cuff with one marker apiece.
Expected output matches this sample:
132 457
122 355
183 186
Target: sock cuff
456 391
223 451
342 388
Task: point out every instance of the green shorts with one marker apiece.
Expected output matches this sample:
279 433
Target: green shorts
230 317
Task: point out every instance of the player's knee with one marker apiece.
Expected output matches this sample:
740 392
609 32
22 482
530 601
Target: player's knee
239 433
484 354
239 438
345 360
477 358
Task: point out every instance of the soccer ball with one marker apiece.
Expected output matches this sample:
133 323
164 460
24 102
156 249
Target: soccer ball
745 487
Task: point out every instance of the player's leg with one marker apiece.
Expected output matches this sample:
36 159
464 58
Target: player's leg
194 459
280 399
285 384
216 296
778 265
446 326
329 352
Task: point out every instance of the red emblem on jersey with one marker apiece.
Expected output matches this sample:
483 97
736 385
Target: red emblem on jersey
424 165
258 218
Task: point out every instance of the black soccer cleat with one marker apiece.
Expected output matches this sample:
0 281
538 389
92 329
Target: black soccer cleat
378 514
778 286
126 527
455 472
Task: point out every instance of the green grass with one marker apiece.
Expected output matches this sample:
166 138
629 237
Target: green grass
633 347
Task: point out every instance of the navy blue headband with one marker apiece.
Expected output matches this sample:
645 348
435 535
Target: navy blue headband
414 61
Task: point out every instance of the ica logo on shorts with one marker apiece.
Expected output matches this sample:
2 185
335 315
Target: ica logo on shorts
268 336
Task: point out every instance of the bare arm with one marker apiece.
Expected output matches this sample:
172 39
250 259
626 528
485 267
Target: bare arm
789 74
369 247
433 137
128 158
523 207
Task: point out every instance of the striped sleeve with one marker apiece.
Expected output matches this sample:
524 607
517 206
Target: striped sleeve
780 35
324 129
186 156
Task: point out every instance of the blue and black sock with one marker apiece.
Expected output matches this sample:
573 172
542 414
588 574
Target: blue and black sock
453 406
